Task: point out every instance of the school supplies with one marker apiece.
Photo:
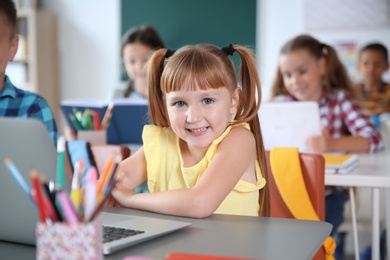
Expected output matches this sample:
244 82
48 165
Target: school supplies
28 143
123 119
340 163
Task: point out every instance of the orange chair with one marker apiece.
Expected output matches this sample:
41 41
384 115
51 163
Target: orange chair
313 170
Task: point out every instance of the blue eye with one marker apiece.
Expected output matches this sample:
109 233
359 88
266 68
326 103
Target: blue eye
208 101
179 104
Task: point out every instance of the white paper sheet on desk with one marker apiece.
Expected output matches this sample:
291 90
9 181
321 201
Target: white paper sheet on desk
345 170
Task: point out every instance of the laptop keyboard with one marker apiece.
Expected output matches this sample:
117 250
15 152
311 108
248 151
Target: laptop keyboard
114 233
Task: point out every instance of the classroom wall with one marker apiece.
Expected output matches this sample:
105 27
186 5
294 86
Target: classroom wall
281 20
89 38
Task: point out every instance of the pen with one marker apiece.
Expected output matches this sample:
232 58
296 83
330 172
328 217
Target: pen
90 192
107 116
19 179
61 161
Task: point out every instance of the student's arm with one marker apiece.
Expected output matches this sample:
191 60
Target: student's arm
130 174
325 143
234 159
364 137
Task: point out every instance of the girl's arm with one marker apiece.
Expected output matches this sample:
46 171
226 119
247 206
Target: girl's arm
132 171
325 143
364 136
234 159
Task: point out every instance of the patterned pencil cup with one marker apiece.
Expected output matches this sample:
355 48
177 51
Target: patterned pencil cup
70 241
93 137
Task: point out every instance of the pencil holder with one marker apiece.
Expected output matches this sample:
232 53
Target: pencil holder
93 137
70 241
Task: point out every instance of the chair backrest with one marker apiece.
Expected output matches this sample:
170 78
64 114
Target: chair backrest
97 154
313 170
102 153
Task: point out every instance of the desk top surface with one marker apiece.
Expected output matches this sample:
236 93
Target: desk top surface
224 235
373 171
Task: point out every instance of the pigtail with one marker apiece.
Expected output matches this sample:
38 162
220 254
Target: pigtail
155 67
248 111
336 76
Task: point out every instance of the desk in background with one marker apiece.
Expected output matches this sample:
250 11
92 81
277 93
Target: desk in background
373 172
239 236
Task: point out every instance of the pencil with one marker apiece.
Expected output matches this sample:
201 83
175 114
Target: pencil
39 198
104 176
19 179
51 197
107 116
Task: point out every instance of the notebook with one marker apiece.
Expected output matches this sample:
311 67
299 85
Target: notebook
127 121
26 142
288 124
340 163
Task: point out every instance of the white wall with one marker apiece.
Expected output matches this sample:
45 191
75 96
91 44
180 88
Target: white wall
89 44
89 37
281 20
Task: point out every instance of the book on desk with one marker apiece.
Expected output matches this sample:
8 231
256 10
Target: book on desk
127 119
340 163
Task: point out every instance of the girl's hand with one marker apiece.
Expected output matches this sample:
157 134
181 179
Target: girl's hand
122 196
320 143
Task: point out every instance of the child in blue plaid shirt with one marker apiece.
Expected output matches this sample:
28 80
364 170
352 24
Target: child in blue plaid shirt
15 102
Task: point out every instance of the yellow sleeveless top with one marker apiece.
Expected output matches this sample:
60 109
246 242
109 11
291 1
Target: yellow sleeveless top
166 172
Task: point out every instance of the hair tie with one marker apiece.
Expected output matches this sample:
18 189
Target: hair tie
228 50
324 49
169 53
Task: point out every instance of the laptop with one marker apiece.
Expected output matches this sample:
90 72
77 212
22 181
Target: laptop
288 124
27 143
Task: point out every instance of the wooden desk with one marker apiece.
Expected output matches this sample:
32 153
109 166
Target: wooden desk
373 172
239 236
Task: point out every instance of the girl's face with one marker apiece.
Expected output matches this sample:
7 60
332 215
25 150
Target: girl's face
135 56
302 74
199 117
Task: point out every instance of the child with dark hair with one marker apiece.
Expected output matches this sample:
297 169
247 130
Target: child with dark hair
373 93
138 44
15 102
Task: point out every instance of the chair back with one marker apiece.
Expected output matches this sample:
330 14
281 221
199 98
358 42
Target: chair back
102 153
97 155
313 170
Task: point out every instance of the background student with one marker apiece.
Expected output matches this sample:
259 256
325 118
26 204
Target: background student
373 93
137 45
309 70
15 102
199 116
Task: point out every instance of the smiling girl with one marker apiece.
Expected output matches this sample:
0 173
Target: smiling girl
203 152
311 71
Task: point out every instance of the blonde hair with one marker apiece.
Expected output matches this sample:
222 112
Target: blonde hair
336 76
207 66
